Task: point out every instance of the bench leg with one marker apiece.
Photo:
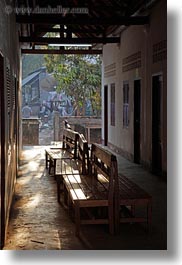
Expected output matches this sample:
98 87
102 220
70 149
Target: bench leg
111 220
54 168
65 192
77 218
58 188
133 210
116 216
149 217
46 159
50 165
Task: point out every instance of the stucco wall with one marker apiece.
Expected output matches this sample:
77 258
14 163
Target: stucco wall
137 39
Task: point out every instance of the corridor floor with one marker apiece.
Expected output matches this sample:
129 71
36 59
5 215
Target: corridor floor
38 221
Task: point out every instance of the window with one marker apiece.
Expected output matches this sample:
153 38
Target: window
112 104
125 104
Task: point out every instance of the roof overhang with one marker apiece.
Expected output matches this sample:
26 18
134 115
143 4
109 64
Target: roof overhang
56 23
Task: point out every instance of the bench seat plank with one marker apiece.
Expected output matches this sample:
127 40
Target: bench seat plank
84 185
78 164
67 166
68 150
129 195
52 155
92 193
130 190
58 153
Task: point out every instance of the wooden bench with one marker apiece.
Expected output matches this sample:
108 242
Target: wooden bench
91 196
69 149
72 166
128 197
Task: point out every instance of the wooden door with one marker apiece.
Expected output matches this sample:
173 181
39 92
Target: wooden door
137 88
156 124
105 115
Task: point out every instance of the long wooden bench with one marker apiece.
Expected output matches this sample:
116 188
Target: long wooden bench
91 196
69 149
91 187
128 198
72 166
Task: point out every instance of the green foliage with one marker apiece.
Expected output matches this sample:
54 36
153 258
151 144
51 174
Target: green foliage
30 63
79 76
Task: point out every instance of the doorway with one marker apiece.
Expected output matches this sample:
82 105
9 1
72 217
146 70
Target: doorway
105 115
156 124
137 102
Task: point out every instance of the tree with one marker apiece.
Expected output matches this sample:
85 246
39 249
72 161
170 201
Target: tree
79 76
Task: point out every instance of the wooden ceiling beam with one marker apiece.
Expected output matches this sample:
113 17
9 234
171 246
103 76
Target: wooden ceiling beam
40 40
55 30
81 20
65 51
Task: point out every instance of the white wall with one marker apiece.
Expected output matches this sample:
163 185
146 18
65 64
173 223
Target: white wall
134 39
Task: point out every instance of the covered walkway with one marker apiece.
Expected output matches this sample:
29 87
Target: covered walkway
38 221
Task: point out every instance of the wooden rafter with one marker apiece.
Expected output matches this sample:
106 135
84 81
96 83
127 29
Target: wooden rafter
80 20
76 30
65 51
43 40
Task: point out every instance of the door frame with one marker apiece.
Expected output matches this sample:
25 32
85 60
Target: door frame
134 123
161 104
106 115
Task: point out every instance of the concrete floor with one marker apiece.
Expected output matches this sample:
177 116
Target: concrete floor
38 222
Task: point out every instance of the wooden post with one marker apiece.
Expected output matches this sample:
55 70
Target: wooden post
56 126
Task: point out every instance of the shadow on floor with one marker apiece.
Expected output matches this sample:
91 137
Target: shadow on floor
38 222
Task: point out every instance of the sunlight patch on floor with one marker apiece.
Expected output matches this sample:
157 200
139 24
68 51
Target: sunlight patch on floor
34 201
33 165
30 153
24 180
